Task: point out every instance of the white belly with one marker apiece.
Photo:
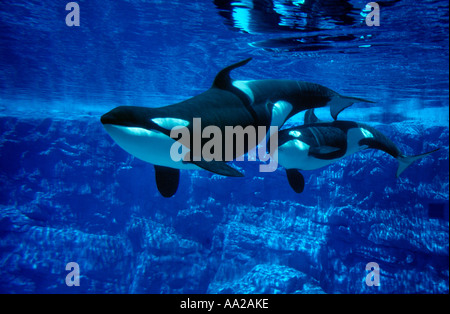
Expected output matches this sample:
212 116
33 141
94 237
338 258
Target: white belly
150 146
294 153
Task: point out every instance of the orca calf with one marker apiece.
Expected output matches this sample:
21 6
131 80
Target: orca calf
317 144
145 132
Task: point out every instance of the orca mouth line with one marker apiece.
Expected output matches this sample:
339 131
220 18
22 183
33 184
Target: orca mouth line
112 119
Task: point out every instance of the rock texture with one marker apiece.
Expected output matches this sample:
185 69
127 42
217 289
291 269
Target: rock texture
69 194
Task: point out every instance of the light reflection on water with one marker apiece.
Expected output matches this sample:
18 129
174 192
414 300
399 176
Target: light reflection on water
152 53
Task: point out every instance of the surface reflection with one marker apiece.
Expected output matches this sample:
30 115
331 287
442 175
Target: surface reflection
305 43
260 16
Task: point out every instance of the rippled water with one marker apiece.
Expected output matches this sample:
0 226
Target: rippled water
70 194
153 53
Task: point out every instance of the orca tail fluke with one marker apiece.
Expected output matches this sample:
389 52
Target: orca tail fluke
405 161
341 102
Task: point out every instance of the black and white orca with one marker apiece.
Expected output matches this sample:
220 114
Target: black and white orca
316 144
145 132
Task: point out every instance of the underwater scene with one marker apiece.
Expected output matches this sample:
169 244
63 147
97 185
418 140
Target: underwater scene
224 147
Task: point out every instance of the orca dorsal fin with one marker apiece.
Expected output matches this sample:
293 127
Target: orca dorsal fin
223 79
167 180
296 180
310 117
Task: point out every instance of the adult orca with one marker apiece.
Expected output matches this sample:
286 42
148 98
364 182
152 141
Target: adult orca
316 144
145 132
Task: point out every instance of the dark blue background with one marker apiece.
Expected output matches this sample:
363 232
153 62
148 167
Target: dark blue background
69 194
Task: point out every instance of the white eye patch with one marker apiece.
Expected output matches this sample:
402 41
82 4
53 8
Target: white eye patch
295 133
366 133
170 123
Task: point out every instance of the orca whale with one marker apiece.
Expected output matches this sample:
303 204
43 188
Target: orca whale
145 132
316 144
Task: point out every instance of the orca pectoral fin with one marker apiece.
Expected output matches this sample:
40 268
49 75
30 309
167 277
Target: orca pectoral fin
167 180
326 152
324 149
296 180
340 102
218 167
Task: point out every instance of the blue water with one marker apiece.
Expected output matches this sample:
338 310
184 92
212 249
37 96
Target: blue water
68 193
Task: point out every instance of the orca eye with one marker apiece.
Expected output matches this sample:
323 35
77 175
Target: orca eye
295 133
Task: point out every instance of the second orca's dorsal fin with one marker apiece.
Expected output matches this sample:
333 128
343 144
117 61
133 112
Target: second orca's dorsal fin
310 117
223 79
